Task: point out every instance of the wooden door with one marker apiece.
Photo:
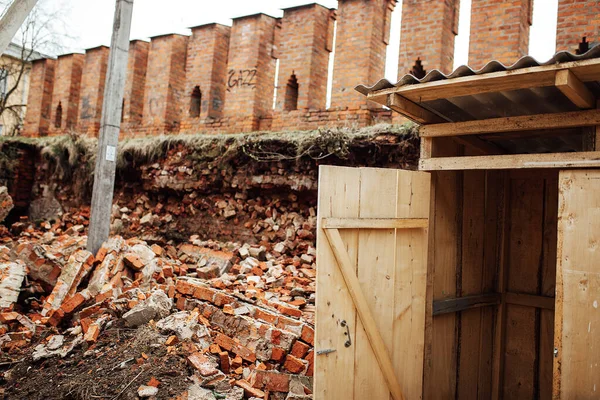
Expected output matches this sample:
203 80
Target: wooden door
577 318
371 283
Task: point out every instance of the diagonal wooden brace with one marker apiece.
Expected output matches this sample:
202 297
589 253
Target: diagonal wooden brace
362 308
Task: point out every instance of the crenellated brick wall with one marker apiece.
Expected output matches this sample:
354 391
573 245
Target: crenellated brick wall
92 90
577 19
206 76
428 31
65 94
362 36
222 79
39 102
165 84
135 82
499 31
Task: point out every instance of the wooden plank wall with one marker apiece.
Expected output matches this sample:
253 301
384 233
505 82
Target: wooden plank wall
491 231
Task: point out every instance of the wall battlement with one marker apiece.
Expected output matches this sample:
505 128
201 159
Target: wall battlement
267 73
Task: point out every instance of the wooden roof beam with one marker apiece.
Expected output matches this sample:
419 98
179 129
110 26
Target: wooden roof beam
571 119
412 110
574 89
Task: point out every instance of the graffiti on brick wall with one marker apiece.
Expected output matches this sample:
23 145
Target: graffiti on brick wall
86 109
241 78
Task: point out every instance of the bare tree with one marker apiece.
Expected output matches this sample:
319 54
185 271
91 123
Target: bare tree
43 32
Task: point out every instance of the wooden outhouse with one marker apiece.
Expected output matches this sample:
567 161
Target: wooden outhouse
478 276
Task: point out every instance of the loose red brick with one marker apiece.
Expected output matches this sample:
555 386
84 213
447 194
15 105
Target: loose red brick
204 293
172 340
250 391
295 365
72 303
202 364
221 299
224 360
134 261
299 349
265 316
308 335
236 362
92 333
310 357
271 381
277 354
291 311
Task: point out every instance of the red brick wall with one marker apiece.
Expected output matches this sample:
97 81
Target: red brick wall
92 90
576 19
427 32
499 31
39 101
165 82
362 36
304 52
206 67
67 83
250 70
133 98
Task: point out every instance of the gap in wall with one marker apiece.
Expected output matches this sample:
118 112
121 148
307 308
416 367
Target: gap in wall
393 49
542 35
330 68
461 42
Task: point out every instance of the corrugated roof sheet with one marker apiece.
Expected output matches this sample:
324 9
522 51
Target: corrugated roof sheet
492 66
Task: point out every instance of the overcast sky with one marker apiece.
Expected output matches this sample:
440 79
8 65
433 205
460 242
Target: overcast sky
91 22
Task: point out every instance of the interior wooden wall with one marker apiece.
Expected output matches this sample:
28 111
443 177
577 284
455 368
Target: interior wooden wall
491 231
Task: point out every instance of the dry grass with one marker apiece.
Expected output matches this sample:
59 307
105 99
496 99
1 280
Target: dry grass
73 156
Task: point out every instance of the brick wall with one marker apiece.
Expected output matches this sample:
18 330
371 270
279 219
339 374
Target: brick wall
92 90
133 98
362 36
304 54
576 19
428 31
499 31
250 70
206 75
39 101
165 83
65 94
221 79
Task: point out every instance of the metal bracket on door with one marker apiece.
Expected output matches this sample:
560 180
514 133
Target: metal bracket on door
347 333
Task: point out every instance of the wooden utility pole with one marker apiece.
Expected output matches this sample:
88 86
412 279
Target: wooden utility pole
12 20
110 126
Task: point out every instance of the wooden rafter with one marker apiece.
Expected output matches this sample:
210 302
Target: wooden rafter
574 89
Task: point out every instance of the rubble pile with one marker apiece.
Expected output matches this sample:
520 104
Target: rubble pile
234 321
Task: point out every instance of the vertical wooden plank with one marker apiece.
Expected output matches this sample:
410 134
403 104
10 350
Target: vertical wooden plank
503 251
410 283
339 190
577 330
439 376
440 367
493 229
524 260
376 274
547 288
473 234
